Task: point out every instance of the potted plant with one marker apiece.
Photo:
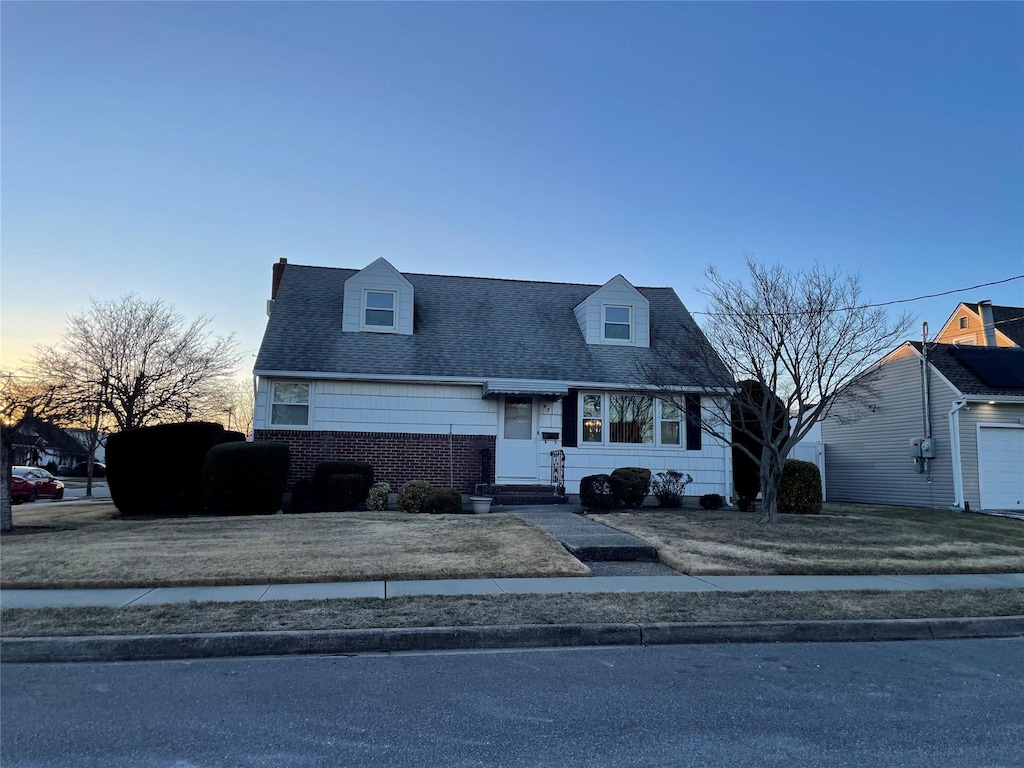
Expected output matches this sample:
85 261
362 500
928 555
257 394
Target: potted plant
481 504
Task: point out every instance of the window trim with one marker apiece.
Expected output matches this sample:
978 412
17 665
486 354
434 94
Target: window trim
271 402
364 326
606 442
679 420
604 323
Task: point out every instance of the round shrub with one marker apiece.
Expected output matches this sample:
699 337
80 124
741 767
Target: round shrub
325 469
712 501
602 491
746 503
177 451
378 499
443 501
245 478
412 494
345 492
669 487
638 484
800 489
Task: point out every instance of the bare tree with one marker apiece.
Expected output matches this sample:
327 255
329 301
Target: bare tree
21 398
804 336
140 360
232 405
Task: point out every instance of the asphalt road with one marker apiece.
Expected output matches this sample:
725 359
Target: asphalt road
945 703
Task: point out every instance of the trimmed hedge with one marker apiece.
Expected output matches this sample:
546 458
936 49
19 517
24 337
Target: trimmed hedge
245 478
602 491
324 470
177 451
800 489
443 501
412 494
638 484
345 492
712 501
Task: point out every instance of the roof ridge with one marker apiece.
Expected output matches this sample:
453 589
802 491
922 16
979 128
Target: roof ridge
478 277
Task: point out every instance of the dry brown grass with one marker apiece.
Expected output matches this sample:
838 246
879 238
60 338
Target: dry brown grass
469 610
350 546
845 539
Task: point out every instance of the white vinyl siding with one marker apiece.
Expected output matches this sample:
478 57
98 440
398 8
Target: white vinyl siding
617 292
378 277
352 406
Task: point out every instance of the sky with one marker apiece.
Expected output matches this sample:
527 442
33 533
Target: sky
178 150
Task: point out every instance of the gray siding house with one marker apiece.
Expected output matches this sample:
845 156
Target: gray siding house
967 400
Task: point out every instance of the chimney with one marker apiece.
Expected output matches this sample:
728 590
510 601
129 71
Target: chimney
985 310
278 273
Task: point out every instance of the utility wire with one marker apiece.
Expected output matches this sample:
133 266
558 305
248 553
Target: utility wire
869 306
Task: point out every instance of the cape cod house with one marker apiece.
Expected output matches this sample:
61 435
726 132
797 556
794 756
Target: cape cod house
464 380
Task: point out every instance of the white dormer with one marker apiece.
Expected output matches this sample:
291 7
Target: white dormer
378 299
616 314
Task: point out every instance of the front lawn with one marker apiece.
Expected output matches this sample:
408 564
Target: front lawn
844 539
350 546
474 610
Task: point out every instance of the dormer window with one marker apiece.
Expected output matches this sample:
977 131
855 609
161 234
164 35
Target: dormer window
618 323
379 310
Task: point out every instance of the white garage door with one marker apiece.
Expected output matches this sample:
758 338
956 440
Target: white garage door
1001 467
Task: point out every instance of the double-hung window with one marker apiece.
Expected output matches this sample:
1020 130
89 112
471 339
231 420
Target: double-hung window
593 419
670 433
289 404
618 323
379 310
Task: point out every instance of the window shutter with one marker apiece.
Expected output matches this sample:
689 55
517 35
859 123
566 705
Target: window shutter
693 430
570 417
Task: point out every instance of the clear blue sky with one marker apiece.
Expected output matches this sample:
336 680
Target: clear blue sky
178 150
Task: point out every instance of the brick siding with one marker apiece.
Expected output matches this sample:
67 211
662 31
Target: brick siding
396 457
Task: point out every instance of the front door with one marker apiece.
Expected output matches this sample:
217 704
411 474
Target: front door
517 442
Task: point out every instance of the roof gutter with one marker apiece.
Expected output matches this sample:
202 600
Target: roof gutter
481 381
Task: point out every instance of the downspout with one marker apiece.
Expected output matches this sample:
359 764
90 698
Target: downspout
926 391
954 446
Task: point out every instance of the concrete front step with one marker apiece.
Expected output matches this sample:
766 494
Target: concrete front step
521 494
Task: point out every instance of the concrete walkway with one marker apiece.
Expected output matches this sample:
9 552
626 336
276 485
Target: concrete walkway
586 539
51 598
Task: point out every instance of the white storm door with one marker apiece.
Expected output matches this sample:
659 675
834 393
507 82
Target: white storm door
517 443
1001 467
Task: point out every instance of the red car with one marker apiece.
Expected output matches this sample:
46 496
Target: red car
30 483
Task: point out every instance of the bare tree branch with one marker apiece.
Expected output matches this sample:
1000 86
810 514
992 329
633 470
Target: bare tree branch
802 336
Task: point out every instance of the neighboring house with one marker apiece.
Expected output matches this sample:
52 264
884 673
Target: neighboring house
38 443
974 417
463 380
985 325
82 436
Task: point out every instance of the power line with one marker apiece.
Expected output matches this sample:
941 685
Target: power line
870 306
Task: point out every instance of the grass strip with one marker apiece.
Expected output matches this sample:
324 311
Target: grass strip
474 610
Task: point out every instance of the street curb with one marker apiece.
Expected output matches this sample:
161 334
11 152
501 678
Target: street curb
349 641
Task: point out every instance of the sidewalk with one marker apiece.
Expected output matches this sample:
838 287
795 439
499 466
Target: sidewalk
52 598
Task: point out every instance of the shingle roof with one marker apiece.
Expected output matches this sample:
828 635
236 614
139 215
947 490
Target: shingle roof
945 360
1009 320
35 432
473 327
